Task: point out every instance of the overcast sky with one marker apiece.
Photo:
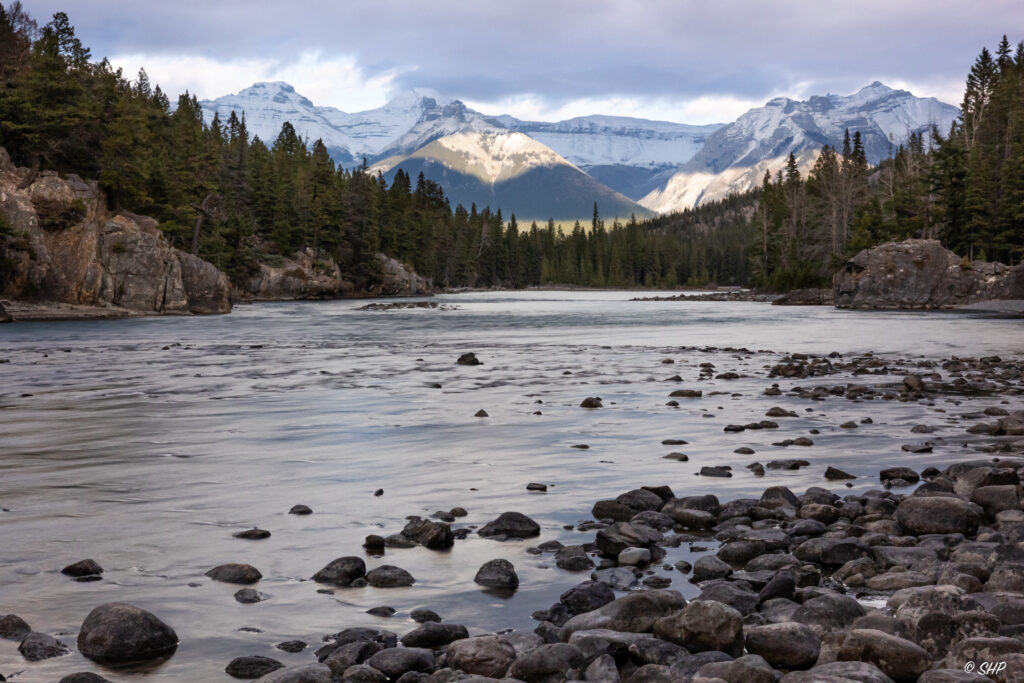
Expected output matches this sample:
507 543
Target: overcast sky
677 60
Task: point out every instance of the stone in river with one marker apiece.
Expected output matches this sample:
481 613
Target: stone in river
13 627
382 611
674 442
395 661
708 471
573 558
248 596
252 534
342 571
468 359
537 487
591 402
433 535
389 576
487 656
937 515
300 510
119 632
833 474
904 473
434 635
779 412
81 677
511 525
235 573
702 626
252 667
422 615
481 413
497 574
292 646
82 569
39 646
917 447
734 428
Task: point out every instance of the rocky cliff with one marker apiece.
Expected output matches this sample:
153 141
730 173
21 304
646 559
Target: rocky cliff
922 274
304 276
62 245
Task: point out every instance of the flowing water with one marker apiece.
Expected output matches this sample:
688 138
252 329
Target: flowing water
146 443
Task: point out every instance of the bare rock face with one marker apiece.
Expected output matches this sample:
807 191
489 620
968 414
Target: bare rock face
66 247
921 274
303 276
399 281
805 297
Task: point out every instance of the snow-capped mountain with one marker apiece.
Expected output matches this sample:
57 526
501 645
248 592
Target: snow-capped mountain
348 137
490 166
735 157
437 122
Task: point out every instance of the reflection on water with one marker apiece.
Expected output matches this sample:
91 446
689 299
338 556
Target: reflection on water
146 443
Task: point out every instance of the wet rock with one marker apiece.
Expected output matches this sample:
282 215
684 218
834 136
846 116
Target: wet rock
904 473
248 596
686 669
573 558
389 576
81 677
621 535
779 496
421 615
899 659
82 569
634 556
712 471
828 613
342 571
704 625
13 627
481 413
488 656
305 673
839 672
235 573
546 664
591 402
429 534
468 359
619 578
252 667
602 669
39 646
533 486
292 646
349 654
511 525
497 574
745 669
363 673
587 597
686 393
633 613
119 632
433 635
656 651
779 412
395 661
710 567
937 515
252 534
787 646
735 595
834 474
300 510
382 611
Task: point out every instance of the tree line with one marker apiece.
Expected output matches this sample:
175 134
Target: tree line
239 201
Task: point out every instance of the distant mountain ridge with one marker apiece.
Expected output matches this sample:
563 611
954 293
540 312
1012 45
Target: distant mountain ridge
627 165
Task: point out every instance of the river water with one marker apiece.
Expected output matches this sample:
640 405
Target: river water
146 443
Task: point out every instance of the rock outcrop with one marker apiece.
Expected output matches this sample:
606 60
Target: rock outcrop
922 274
805 297
307 276
66 247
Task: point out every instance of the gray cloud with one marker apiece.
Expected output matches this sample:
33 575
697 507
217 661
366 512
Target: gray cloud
562 50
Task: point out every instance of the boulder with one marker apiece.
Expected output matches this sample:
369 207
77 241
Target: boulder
937 515
82 677
482 656
839 672
304 673
497 574
235 573
430 534
633 613
252 667
13 627
389 576
921 274
118 632
39 646
899 659
433 635
510 525
82 569
546 664
395 661
704 625
587 597
786 645
342 571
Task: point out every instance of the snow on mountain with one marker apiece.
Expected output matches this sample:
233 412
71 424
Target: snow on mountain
348 137
617 140
735 157
437 122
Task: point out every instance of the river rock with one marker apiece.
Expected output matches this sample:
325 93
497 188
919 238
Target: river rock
252 667
573 558
602 669
389 576
422 615
899 659
395 661
429 534
937 515
827 613
235 573
468 359
119 632
786 645
497 574
510 525
252 534
704 625
304 673
587 596
488 656
82 677
39 646
13 627
342 571
632 613
300 510
839 672
248 596
82 569
546 664
433 635
350 654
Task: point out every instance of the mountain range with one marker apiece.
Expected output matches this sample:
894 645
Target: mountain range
628 166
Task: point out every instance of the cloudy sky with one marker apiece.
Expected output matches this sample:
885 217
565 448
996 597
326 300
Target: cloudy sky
678 60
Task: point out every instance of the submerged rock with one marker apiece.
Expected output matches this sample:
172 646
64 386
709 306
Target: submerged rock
119 632
497 574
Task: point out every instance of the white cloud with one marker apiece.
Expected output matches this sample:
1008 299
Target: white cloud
327 81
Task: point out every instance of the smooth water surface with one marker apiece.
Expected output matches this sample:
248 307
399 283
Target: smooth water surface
145 443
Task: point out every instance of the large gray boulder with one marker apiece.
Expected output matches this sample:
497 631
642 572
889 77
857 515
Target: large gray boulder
921 515
899 659
704 625
119 632
633 613
921 274
483 656
785 645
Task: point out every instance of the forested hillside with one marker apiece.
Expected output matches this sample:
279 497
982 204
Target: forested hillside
237 200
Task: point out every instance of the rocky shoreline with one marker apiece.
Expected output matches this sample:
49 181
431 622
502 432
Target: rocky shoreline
913 580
